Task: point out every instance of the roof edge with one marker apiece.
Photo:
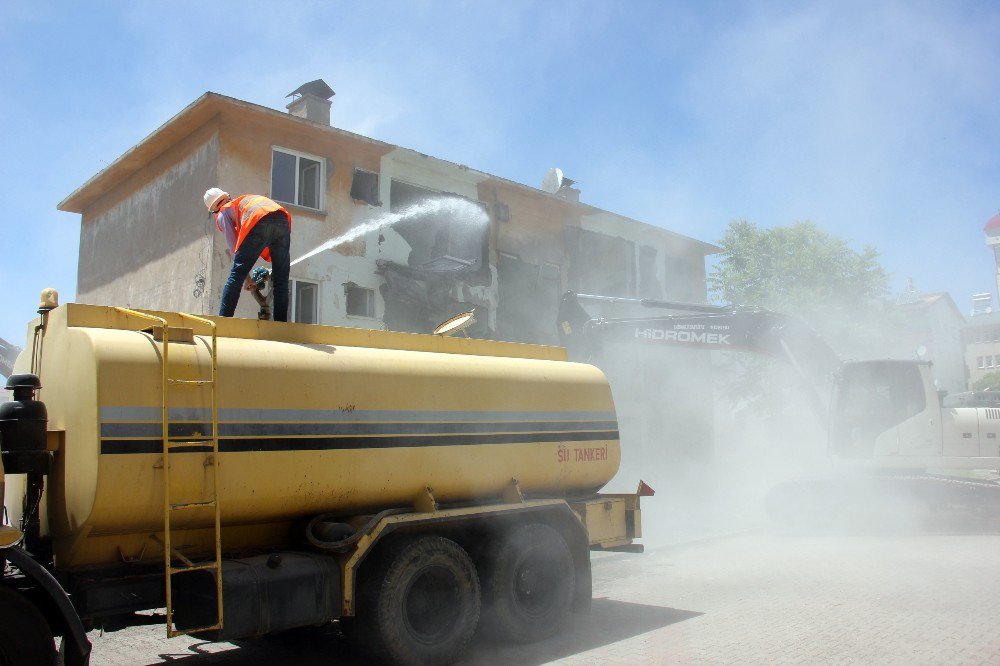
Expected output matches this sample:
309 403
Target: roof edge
79 199
136 157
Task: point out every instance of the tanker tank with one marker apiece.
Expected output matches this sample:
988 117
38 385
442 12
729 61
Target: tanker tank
311 419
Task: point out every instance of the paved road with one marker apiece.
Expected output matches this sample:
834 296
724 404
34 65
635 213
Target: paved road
763 597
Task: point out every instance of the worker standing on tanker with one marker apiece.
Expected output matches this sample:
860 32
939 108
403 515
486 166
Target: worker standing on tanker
254 226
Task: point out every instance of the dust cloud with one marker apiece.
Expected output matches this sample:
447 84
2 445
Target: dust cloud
724 458
711 460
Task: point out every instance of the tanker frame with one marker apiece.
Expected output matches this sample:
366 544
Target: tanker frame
252 477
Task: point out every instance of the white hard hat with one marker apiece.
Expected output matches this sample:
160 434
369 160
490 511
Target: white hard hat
213 196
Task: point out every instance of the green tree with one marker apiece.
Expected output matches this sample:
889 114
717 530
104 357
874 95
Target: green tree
804 271
991 380
800 268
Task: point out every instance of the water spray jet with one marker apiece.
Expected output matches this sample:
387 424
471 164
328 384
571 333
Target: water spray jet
458 211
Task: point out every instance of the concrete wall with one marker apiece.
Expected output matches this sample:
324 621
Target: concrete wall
660 265
234 152
245 167
146 244
529 237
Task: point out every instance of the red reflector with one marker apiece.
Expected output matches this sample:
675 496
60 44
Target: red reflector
645 490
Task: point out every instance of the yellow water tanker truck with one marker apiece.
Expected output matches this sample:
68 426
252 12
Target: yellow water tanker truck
250 477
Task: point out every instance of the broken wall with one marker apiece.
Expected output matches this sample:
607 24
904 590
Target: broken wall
447 268
635 260
528 238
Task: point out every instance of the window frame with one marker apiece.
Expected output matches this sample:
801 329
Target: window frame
371 301
293 300
320 186
376 191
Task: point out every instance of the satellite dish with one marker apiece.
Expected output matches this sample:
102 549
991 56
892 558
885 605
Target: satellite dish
456 324
553 180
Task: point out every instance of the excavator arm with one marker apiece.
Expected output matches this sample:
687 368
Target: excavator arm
698 326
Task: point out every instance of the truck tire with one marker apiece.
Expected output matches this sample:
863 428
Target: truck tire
420 604
25 636
527 579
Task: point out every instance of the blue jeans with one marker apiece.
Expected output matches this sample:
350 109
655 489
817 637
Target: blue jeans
270 232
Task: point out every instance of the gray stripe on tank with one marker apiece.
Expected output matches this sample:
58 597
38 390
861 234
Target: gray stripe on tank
243 415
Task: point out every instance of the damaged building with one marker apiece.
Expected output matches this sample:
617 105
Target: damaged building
147 242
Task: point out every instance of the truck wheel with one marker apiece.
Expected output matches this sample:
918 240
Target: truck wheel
25 636
527 581
421 603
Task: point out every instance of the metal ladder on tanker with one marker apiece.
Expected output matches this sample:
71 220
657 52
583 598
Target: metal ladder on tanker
172 443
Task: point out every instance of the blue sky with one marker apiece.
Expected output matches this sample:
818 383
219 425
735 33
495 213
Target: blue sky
876 120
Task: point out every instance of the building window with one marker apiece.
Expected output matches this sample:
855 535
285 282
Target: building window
364 187
989 361
448 236
305 302
297 178
360 301
980 363
501 211
601 264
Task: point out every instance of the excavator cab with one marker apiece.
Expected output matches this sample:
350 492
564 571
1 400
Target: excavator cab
884 408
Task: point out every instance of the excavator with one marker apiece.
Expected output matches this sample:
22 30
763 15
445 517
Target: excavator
890 432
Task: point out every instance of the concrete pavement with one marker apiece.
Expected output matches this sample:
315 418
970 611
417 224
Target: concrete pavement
752 598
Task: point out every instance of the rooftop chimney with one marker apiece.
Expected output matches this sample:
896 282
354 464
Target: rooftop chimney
312 101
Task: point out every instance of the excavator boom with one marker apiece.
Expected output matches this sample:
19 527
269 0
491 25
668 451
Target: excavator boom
702 326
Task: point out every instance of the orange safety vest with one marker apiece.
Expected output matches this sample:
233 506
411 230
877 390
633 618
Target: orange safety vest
249 209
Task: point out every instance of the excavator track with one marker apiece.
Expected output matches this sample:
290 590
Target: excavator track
963 500
888 500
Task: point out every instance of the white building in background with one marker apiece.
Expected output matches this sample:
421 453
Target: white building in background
992 232
934 330
981 334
